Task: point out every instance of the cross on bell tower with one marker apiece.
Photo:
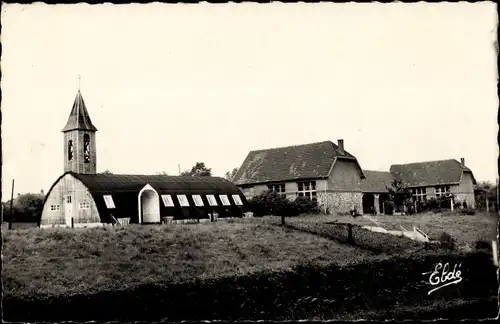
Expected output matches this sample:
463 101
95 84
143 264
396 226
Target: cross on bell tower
79 139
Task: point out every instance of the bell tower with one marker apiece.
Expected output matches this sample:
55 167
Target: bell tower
79 140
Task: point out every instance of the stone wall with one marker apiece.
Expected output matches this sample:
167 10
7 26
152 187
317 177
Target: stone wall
340 202
468 198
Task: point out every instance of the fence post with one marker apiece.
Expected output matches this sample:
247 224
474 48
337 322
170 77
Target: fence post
11 202
72 223
282 220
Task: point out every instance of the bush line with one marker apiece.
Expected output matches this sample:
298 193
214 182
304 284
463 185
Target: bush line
270 295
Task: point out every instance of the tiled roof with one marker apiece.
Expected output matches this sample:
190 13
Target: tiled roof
430 173
79 117
307 161
376 181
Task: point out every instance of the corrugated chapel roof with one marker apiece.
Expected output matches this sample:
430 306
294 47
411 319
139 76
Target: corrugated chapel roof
117 183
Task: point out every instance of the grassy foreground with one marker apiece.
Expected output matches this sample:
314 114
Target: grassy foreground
70 261
248 269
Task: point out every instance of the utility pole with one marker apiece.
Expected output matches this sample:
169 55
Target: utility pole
498 207
11 203
179 168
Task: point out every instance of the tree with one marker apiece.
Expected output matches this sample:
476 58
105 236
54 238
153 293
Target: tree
399 194
230 175
485 190
25 207
199 169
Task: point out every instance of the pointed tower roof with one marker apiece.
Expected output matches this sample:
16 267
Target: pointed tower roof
79 117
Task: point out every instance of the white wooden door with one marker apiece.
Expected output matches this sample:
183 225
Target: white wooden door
68 210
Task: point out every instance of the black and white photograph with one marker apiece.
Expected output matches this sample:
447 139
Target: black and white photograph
249 161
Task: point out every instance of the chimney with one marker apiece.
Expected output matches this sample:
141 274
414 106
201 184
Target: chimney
462 160
341 145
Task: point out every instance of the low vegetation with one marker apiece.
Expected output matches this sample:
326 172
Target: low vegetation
466 230
69 261
271 203
244 269
360 237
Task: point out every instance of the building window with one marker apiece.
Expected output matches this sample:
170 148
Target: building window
167 200
237 200
68 199
197 200
307 189
70 150
278 187
84 205
419 194
86 148
442 191
211 200
108 200
183 201
55 207
225 200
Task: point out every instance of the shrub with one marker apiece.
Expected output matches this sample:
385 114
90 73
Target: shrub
468 211
458 212
483 244
431 204
458 205
263 203
388 207
410 207
271 203
362 238
446 241
267 295
304 205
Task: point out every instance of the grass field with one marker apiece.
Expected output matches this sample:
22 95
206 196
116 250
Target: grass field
466 229
69 261
61 263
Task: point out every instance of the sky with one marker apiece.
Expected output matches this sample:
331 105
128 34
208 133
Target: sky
170 85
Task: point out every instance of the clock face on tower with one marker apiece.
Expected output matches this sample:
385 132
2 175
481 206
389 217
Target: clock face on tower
86 148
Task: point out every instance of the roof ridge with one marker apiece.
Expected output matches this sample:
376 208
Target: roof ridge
293 146
422 162
146 175
377 171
